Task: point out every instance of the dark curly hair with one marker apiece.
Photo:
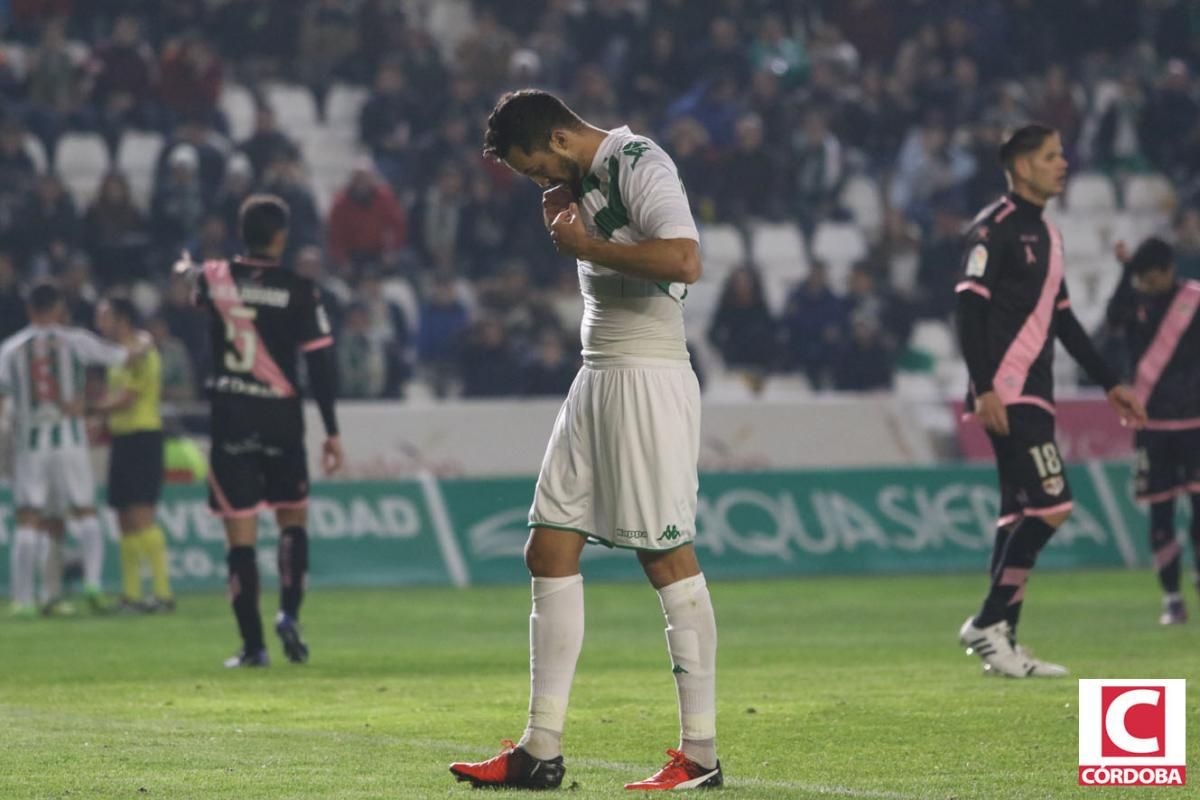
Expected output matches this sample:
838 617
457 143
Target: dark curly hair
526 119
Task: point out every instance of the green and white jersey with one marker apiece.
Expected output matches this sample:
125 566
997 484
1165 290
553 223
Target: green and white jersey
632 193
42 372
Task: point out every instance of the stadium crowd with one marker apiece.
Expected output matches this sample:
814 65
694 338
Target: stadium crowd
434 261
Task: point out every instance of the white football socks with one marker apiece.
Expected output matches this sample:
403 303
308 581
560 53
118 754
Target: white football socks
21 563
692 644
555 639
50 563
91 543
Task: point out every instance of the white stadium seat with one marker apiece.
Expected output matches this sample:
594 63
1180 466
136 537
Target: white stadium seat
1090 191
840 246
777 249
82 161
861 196
238 105
935 338
722 247
343 105
1149 194
137 158
1081 233
33 147
294 106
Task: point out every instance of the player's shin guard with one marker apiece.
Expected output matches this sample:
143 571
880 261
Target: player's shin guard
692 644
243 593
1164 546
555 639
22 562
293 566
91 543
50 563
1007 591
154 548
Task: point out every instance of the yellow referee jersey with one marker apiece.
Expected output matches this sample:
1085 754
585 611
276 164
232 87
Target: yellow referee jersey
143 376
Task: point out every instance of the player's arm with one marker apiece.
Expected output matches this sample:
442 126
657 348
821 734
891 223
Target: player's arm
655 204
316 342
1080 347
981 263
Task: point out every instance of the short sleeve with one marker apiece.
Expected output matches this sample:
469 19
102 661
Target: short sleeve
312 320
93 350
980 264
657 202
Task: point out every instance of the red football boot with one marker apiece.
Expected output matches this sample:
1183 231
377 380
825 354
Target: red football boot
681 773
513 768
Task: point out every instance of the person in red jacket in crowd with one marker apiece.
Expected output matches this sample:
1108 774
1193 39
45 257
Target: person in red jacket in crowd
367 224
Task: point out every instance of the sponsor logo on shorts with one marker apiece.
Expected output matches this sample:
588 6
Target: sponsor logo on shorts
1054 486
669 534
631 535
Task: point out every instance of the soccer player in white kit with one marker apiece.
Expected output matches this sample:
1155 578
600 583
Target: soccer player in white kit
42 371
620 468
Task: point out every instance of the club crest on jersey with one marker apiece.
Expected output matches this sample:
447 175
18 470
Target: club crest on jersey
977 261
1054 485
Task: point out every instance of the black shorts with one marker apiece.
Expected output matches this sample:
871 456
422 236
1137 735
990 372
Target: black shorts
257 459
135 469
1168 464
1032 479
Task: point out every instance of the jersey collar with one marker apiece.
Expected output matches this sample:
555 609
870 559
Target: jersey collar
607 146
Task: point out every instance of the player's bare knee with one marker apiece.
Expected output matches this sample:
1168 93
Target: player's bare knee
553 554
672 566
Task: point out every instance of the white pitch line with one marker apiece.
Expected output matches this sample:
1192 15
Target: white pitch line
456 565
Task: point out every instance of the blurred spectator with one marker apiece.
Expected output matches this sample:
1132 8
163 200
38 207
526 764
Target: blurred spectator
210 149
1061 104
743 330
214 241
487 365
659 72
1170 126
437 222
606 32
595 97
267 144
444 317
749 180
328 36
17 170
178 206
723 54
880 303
188 323
551 368
817 163
79 295
1118 146
56 90
928 167
238 184
362 360
483 54
115 233
776 52
714 104
389 327
1187 243
366 223
939 265
689 145
123 76
178 383
385 125
813 321
190 78
50 223
310 263
12 304
485 228
865 363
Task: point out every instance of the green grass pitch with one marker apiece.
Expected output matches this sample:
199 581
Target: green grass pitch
835 687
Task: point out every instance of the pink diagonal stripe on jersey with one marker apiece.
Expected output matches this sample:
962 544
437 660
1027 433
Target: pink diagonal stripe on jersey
1009 207
1015 576
1179 316
223 291
1010 378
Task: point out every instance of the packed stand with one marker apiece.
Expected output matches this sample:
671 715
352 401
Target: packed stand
833 152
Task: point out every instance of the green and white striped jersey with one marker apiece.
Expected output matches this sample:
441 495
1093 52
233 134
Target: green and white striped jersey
632 193
42 373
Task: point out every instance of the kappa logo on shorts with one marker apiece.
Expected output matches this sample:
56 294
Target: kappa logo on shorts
670 534
631 535
1054 486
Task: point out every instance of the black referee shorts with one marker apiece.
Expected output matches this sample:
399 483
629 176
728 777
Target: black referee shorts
1032 479
135 469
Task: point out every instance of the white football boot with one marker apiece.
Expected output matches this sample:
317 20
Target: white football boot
993 646
1041 669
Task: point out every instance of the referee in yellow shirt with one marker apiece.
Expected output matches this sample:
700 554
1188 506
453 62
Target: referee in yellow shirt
135 465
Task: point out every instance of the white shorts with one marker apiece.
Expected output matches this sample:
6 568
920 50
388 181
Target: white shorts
53 480
620 467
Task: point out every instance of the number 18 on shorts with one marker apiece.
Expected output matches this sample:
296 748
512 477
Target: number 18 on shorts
1132 732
